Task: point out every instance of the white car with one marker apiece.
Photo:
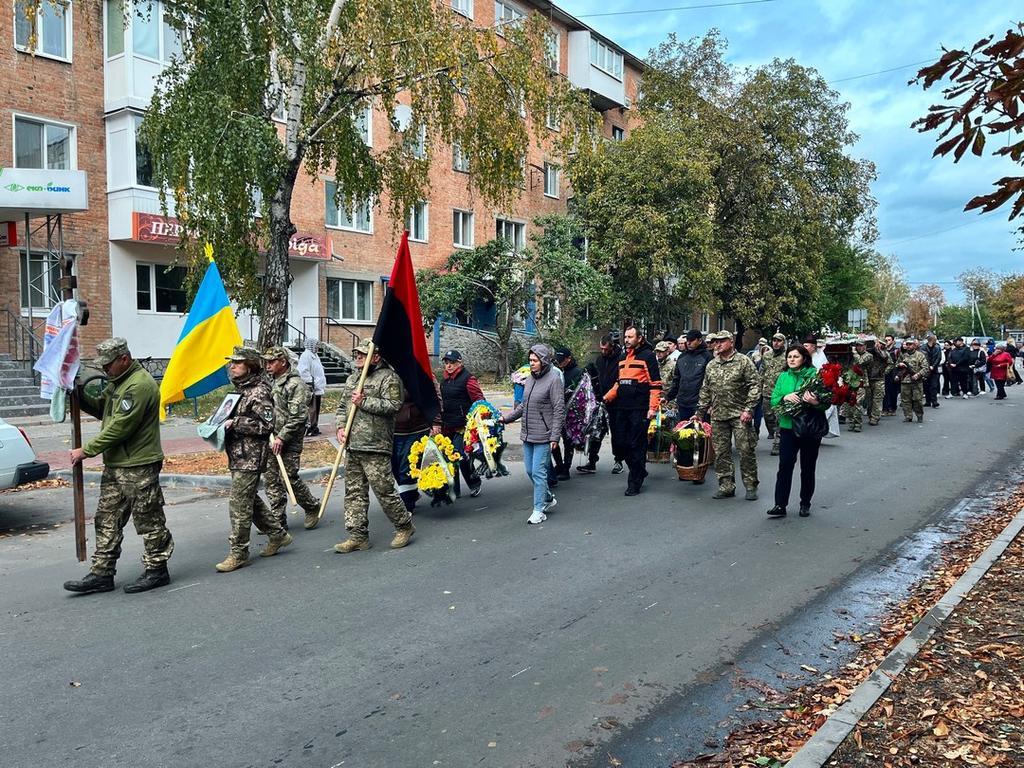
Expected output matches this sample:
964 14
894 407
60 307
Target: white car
18 462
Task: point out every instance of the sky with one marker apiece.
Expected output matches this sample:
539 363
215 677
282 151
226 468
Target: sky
920 198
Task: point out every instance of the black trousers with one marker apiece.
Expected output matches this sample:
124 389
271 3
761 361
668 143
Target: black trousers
892 392
1000 389
961 382
618 433
789 447
563 459
945 380
629 435
931 389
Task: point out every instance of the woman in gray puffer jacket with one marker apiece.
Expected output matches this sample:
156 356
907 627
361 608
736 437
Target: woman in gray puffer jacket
542 410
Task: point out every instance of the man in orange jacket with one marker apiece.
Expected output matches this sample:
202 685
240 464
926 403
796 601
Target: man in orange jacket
637 395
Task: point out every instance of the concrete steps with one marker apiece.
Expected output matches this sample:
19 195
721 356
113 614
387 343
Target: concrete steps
19 393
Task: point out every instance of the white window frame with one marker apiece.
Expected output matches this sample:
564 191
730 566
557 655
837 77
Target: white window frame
459 228
463 7
340 282
69 36
153 267
51 293
45 121
500 7
705 322
350 214
551 181
550 319
367 126
136 122
421 209
721 321
156 10
552 119
554 57
457 156
418 147
606 58
621 136
518 239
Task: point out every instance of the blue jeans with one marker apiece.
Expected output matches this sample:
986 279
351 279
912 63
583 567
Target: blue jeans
536 457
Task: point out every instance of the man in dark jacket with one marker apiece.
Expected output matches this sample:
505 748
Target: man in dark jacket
604 372
933 352
960 368
459 390
571 376
637 395
686 384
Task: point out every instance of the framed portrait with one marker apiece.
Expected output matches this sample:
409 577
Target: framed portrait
224 411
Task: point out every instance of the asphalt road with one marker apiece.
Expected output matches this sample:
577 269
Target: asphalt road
485 643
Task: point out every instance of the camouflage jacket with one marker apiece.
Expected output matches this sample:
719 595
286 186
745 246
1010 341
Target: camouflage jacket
772 364
248 441
916 362
879 364
730 387
291 398
864 363
373 427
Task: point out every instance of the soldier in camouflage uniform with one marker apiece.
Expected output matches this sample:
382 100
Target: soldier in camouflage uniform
129 440
247 442
912 368
852 411
875 369
291 406
772 364
730 393
369 442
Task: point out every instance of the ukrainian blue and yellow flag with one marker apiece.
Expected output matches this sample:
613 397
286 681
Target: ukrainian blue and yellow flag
210 334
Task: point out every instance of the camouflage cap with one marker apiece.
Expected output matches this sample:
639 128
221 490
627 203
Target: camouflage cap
109 350
363 348
712 337
779 337
662 346
724 335
243 354
276 353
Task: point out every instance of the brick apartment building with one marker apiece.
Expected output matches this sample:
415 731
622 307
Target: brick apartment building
78 102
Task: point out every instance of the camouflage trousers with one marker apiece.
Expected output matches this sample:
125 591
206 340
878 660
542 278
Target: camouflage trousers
131 492
853 413
771 422
723 432
247 509
276 491
363 471
874 395
912 398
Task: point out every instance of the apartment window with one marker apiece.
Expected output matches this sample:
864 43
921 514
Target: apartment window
549 312
505 14
115 28
419 143
705 322
357 217
462 229
143 160
606 58
51 29
40 281
159 288
41 144
465 7
350 300
553 118
554 50
512 231
417 222
363 122
618 134
460 160
550 180
721 321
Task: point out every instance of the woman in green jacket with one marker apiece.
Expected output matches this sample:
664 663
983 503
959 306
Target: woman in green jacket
798 373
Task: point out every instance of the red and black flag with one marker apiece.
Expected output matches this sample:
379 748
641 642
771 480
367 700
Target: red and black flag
399 336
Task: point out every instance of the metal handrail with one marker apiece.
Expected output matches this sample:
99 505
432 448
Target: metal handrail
254 318
324 326
22 342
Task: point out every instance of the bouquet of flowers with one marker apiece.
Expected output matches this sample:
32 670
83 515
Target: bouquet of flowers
483 439
691 443
828 385
659 436
432 465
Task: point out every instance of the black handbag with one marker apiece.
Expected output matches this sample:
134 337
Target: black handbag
810 424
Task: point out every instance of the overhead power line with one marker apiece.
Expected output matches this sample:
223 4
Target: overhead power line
676 8
881 71
889 244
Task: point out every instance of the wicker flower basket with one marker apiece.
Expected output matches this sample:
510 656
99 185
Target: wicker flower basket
693 465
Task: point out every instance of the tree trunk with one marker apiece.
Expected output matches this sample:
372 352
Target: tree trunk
278 276
740 330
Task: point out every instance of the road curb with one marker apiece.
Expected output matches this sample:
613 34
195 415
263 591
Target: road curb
171 480
819 748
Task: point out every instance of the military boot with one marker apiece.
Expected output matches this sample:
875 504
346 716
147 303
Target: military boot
312 520
723 493
150 579
93 582
351 545
232 563
402 536
276 543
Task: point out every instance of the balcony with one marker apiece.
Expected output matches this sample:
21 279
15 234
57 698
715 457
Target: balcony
607 88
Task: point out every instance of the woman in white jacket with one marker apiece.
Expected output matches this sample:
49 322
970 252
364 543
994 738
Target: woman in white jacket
311 371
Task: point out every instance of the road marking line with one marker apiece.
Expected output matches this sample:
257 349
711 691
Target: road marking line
185 587
517 674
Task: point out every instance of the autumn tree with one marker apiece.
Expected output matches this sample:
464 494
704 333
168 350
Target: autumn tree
265 89
888 294
923 308
1007 304
984 98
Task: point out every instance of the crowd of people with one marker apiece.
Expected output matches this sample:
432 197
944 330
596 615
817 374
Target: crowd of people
701 378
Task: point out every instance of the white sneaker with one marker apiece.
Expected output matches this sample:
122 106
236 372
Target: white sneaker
537 518
949 397
965 397
549 505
